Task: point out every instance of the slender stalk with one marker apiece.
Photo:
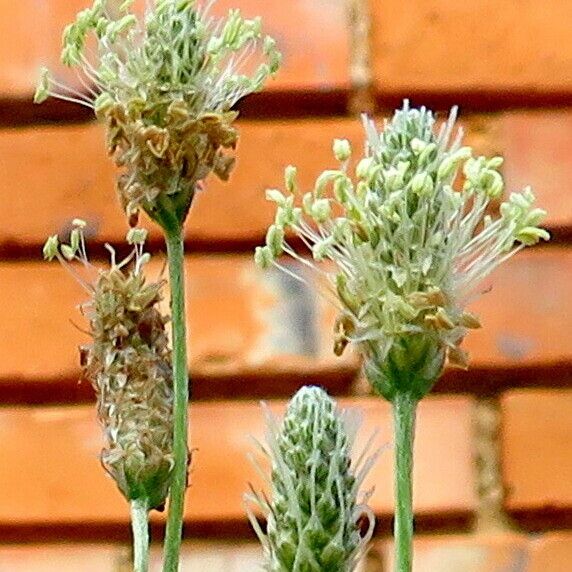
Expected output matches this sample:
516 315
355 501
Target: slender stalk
404 408
140 527
176 259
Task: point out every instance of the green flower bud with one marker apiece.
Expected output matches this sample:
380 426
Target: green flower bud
495 163
324 179
520 200
103 104
363 167
446 169
43 89
495 185
427 155
263 257
290 179
275 196
275 239
308 203
136 236
450 164
312 515
321 248
50 249
342 149
418 145
531 235
275 62
422 184
75 237
296 216
342 186
68 251
534 217
321 210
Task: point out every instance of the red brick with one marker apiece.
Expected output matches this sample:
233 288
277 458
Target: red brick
443 465
65 183
59 480
525 316
214 556
59 558
537 148
315 48
30 37
244 324
237 211
440 46
551 553
217 557
537 465
469 553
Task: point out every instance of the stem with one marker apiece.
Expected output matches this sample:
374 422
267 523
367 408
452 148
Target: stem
176 259
140 527
404 407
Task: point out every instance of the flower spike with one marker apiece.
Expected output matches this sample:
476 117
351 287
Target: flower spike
165 84
411 238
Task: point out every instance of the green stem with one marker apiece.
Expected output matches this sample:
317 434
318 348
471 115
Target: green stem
140 527
404 407
176 259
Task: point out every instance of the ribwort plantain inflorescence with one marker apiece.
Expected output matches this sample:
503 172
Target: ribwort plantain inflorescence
314 513
165 84
410 241
129 366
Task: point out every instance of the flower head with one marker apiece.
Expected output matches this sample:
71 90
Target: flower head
129 366
313 514
164 84
410 241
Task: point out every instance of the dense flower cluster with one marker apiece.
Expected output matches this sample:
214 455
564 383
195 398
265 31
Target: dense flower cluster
164 84
410 241
129 366
313 515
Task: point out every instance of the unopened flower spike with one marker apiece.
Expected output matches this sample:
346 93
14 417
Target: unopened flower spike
411 238
165 84
314 513
129 365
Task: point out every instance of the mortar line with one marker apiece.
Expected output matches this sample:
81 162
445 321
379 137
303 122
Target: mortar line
362 97
490 514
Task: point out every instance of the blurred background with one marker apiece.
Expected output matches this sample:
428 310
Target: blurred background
493 458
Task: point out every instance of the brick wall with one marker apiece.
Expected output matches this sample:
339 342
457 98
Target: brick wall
493 466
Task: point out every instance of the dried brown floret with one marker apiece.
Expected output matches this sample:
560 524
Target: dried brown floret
129 366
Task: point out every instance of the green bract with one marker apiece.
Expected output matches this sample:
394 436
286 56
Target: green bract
165 84
314 513
410 240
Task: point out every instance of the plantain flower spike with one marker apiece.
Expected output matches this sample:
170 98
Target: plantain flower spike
164 84
129 366
314 516
409 238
